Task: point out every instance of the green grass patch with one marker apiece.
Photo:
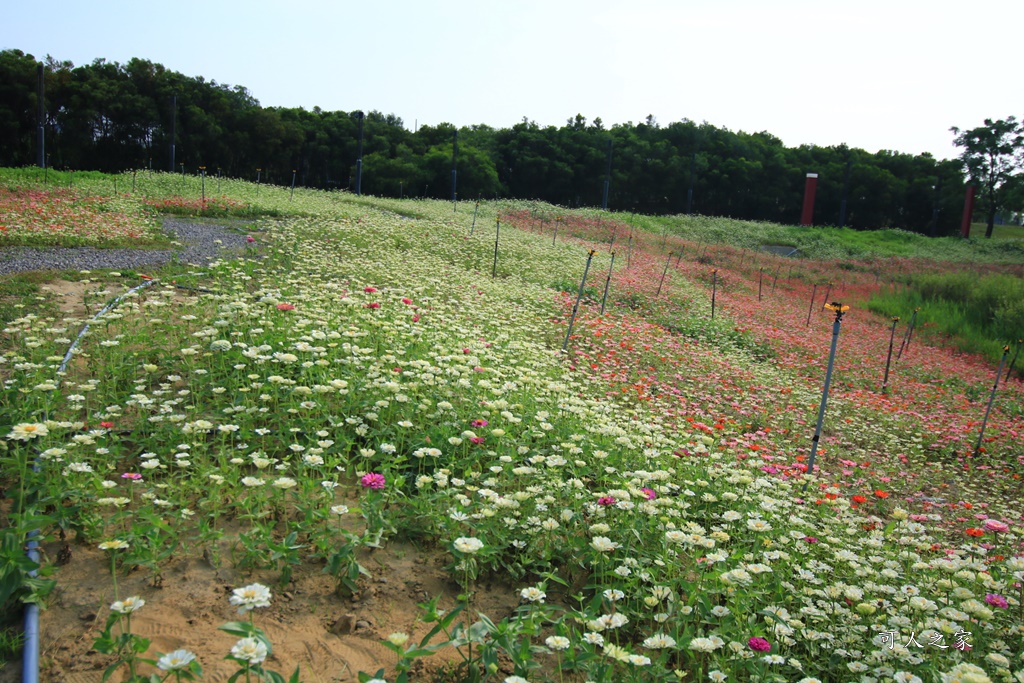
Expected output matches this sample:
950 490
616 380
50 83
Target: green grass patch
978 314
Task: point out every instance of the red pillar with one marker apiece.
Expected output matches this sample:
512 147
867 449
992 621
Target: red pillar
965 222
811 186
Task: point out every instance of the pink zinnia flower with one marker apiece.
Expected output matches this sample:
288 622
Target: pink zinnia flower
373 480
373 305
131 475
759 645
649 493
477 440
285 307
995 525
250 239
810 539
406 301
479 423
606 500
997 601
369 290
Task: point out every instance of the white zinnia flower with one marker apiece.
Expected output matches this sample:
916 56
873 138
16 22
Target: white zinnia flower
250 597
27 431
174 661
128 605
249 650
468 545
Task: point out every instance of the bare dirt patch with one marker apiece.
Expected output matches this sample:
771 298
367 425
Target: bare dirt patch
329 638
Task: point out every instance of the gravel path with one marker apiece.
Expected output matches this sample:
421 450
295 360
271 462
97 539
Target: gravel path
199 240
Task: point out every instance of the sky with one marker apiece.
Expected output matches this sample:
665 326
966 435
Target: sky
873 74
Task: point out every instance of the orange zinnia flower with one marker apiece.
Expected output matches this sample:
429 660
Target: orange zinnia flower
975 532
882 494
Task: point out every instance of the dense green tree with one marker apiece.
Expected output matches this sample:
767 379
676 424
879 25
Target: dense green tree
991 156
112 117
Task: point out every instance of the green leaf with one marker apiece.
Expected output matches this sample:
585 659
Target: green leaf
111 669
242 629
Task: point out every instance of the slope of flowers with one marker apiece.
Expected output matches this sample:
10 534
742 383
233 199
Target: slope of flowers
647 493
66 217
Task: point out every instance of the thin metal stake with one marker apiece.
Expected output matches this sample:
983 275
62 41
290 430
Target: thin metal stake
658 293
1020 342
839 310
906 337
760 281
579 295
497 234
827 292
607 283
473 227
991 398
292 195
714 290
888 359
814 292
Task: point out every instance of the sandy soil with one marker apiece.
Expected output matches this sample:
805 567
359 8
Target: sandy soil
329 638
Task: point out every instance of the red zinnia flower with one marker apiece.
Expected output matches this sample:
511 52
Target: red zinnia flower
759 645
372 480
975 532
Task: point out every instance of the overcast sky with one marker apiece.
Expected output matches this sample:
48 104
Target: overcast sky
875 74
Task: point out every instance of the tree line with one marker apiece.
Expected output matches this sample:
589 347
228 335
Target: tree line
112 117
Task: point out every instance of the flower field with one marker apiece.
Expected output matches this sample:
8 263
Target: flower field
70 218
383 398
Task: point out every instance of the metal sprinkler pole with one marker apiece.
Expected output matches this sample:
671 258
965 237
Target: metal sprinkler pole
607 283
827 292
810 308
888 359
576 306
497 234
991 398
839 311
1020 342
906 337
714 290
658 293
